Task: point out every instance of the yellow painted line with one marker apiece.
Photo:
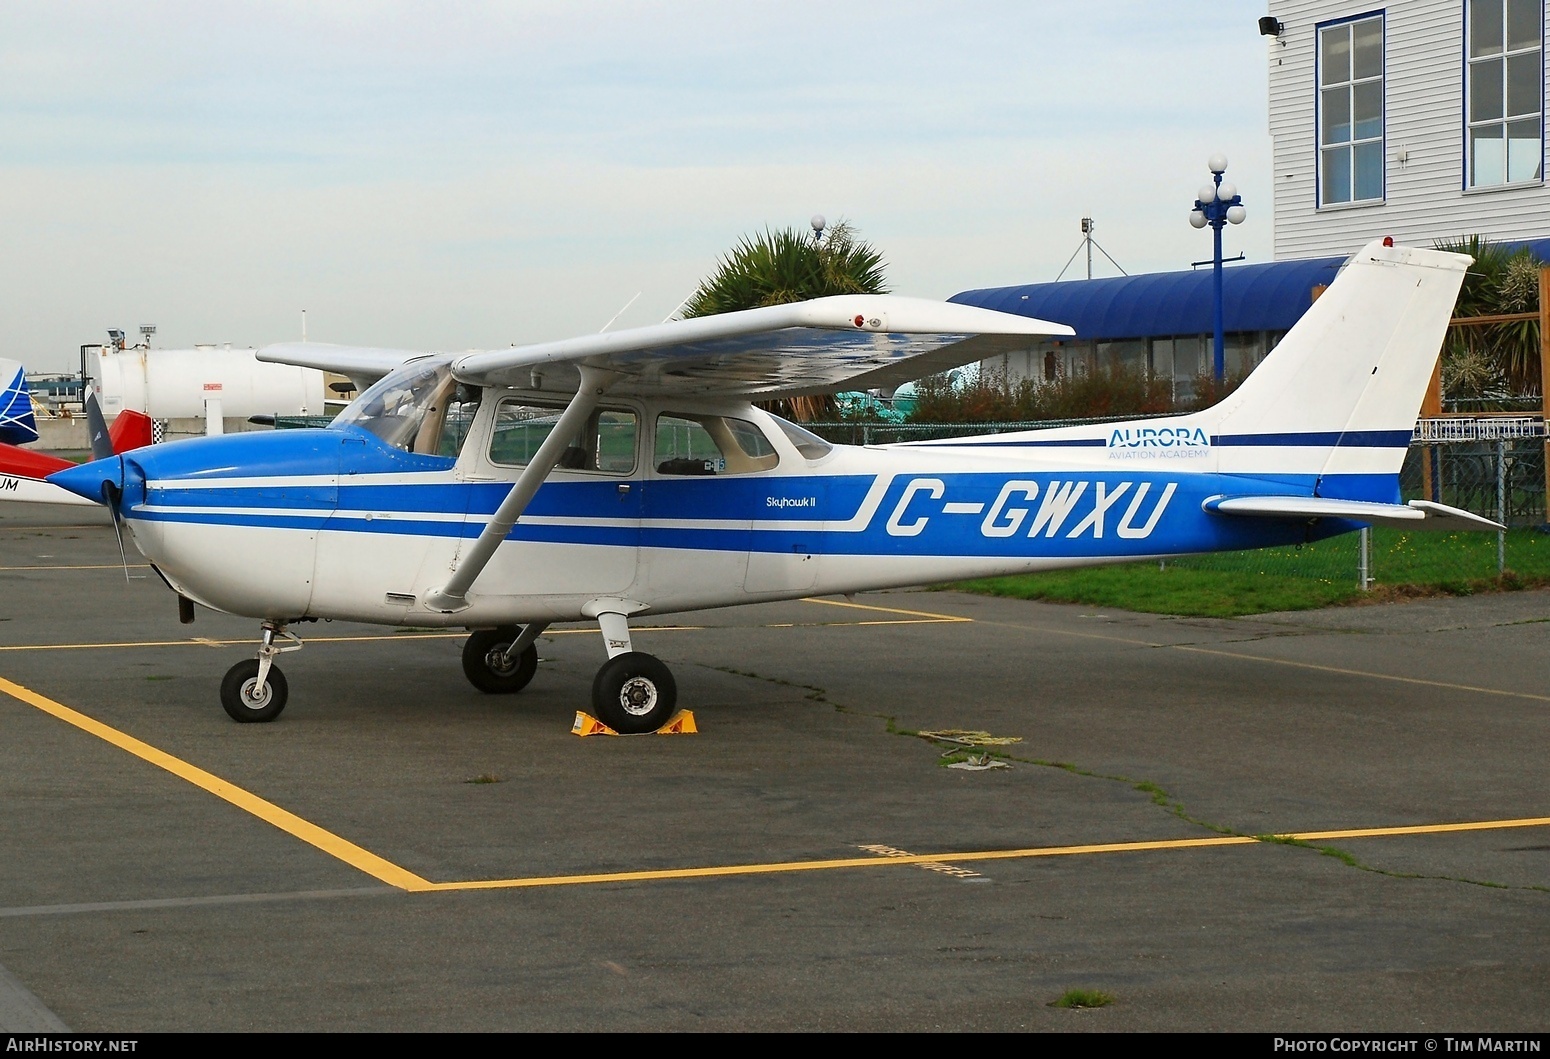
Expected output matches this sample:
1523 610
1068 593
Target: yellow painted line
849 624
887 610
107 566
1422 829
776 868
390 873
634 629
1365 673
725 871
148 643
290 823
205 641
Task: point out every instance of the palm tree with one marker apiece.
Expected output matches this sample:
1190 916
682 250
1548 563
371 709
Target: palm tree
776 267
1496 360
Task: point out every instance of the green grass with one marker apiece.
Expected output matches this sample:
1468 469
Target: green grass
1456 559
1082 998
1230 584
1175 590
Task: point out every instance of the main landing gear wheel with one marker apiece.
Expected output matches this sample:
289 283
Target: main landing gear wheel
245 700
634 693
486 665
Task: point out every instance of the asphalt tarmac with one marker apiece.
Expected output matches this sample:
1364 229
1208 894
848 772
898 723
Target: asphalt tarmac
401 852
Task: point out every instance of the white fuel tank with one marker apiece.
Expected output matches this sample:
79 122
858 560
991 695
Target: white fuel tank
178 383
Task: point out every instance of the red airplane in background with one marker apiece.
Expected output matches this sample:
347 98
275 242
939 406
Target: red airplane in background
22 470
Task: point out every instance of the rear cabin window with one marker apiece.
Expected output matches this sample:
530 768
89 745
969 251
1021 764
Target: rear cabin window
605 443
810 445
707 445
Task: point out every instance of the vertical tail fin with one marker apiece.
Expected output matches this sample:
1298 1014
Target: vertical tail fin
1340 394
131 430
17 424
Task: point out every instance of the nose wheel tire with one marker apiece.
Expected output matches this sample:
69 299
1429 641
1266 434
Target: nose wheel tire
485 665
245 701
633 693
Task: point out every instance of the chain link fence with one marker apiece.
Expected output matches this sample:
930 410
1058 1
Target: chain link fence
1493 467
1489 465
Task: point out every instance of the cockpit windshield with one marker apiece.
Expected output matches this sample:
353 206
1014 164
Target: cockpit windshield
409 408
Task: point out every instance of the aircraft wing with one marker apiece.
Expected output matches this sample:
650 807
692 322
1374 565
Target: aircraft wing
363 365
844 342
1418 514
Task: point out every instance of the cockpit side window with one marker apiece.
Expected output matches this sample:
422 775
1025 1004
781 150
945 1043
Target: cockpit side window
605 443
706 444
458 419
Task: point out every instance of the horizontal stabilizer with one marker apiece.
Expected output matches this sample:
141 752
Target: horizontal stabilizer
1417 515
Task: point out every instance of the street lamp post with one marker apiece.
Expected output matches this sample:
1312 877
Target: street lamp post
1218 204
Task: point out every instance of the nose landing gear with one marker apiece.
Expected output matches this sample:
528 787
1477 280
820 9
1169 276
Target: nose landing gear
255 689
502 661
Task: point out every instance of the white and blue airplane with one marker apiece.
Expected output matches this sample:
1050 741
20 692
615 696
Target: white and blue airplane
625 474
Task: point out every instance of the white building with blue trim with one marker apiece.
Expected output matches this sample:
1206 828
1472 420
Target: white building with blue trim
1420 119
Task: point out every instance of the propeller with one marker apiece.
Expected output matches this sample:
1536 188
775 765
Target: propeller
112 492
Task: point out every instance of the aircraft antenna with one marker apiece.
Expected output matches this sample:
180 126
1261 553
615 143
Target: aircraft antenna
618 314
680 305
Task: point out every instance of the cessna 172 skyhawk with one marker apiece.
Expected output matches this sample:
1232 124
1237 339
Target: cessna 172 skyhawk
617 475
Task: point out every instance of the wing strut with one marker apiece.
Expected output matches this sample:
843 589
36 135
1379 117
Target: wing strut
453 596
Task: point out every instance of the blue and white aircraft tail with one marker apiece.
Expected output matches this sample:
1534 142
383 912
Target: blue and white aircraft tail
1325 421
18 425
628 473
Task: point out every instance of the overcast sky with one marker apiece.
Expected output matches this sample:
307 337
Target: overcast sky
468 175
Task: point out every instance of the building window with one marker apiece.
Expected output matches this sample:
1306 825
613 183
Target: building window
1505 87
1351 111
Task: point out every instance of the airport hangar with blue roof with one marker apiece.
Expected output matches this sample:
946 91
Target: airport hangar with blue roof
1161 322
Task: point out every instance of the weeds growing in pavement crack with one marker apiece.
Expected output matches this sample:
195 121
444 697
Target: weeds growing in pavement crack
1158 795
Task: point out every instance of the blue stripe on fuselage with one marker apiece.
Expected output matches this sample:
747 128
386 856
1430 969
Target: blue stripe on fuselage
919 514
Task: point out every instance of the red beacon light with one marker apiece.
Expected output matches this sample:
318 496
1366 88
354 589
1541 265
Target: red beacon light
1388 240
860 320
